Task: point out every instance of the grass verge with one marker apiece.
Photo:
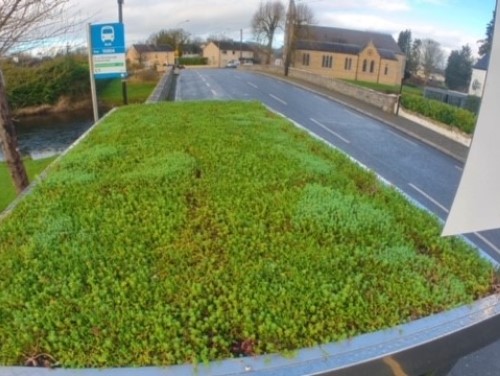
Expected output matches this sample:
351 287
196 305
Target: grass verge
7 190
137 92
386 89
219 230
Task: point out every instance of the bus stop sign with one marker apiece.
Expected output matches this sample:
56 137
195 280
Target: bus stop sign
108 50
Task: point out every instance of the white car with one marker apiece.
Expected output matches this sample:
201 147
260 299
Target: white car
233 64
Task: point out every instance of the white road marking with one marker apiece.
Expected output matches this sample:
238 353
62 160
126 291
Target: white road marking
330 131
459 168
206 83
355 115
492 246
278 99
214 92
402 138
253 85
435 202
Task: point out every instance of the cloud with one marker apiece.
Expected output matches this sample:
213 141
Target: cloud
226 17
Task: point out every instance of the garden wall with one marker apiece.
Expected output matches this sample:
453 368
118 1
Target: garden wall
385 102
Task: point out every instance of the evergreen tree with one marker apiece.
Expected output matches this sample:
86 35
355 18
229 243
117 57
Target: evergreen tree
486 43
458 71
414 62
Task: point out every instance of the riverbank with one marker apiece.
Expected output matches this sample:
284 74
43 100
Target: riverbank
108 96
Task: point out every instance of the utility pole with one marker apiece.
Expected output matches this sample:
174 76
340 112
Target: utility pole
8 139
241 46
289 35
124 80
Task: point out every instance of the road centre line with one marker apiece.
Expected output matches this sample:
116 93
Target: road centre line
435 202
278 99
487 242
214 92
330 131
206 83
252 85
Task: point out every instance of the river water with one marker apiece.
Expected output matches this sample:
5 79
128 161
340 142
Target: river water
48 135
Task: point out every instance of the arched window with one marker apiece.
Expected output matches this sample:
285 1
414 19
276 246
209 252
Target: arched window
365 65
372 66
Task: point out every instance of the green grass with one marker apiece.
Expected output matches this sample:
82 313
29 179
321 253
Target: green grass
386 89
216 231
137 92
7 190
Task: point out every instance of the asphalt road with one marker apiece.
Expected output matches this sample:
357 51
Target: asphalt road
426 175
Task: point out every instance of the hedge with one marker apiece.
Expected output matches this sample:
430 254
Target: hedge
442 112
46 82
193 61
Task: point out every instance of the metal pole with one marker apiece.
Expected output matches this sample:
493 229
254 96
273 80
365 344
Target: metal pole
124 81
92 78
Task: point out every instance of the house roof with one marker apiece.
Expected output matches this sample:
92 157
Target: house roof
334 39
231 45
483 63
143 48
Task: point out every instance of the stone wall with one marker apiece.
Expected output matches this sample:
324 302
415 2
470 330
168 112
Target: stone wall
385 102
162 89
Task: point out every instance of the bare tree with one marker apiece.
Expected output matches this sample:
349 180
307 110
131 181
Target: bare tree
432 57
24 24
269 17
175 38
297 18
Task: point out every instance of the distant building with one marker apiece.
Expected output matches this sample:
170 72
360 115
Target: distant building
220 53
349 54
478 78
151 56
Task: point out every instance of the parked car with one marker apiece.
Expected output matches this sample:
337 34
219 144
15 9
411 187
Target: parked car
233 64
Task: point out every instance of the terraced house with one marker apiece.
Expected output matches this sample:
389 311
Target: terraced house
151 56
349 54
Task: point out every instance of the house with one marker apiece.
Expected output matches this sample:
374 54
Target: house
220 53
349 54
151 56
478 78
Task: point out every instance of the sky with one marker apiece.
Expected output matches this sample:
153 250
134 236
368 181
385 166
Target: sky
452 23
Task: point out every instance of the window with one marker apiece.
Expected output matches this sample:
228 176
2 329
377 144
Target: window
386 70
305 59
372 66
224 52
327 61
348 63
365 65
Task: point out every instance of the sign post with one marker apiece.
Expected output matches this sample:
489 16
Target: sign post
106 55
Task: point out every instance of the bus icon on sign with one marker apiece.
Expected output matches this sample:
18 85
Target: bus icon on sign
107 34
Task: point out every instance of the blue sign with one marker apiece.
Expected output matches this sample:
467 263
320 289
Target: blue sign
108 50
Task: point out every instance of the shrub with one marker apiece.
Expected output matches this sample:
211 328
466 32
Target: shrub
47 82
442 112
